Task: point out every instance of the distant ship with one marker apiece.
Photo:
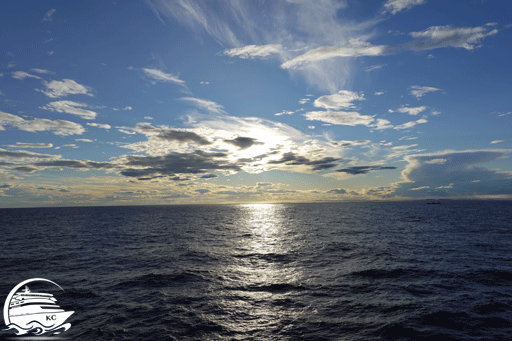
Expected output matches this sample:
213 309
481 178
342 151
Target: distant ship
433 203
27 307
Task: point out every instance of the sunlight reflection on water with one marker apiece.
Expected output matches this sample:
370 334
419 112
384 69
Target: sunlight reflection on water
262 273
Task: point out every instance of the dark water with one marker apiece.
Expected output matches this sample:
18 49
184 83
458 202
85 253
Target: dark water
345 271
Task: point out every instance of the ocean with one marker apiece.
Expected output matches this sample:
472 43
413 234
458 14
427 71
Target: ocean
320 271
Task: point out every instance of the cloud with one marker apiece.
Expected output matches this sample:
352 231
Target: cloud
30 145
373 67
342 100
72 108
205 104
21 154
411 111
339 117
456 172
381 124
285 29
420 91
42 71
254 51
448 36
172 164
343 143
496 141
22 75
354 48
56 89
99 125
48 15
378 93
84 140
58 127
293 159
395 6
160 76
410 124
209 176
337 191
362 169
285 112
202 18
202 190
243 142
303 100
182 136
148 117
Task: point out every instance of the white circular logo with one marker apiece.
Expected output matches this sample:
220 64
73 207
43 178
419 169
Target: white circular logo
35 313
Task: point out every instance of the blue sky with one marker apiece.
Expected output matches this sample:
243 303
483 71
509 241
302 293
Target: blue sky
172 102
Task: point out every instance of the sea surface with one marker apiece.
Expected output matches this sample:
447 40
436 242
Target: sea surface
323 271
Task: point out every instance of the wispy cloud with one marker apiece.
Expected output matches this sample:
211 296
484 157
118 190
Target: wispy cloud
205 104
254 51
30 145
339 117
160 76
56 89
448 36
420 91
354 48
496 141
395 6
410 124
22 75
362 169
42 71
72 108
373 67
48 15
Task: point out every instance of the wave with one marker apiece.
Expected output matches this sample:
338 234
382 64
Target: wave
36 328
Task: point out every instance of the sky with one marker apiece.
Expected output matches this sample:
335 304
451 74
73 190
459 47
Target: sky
205 102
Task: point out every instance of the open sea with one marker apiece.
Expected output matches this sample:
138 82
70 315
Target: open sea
322 271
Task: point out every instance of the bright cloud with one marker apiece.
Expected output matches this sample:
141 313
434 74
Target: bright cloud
411 111
420 91
160 76
72 108
355 48
254 51
395 6
447 36
341 100
99 125
56 89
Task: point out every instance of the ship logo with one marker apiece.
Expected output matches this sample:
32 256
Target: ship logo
34 313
